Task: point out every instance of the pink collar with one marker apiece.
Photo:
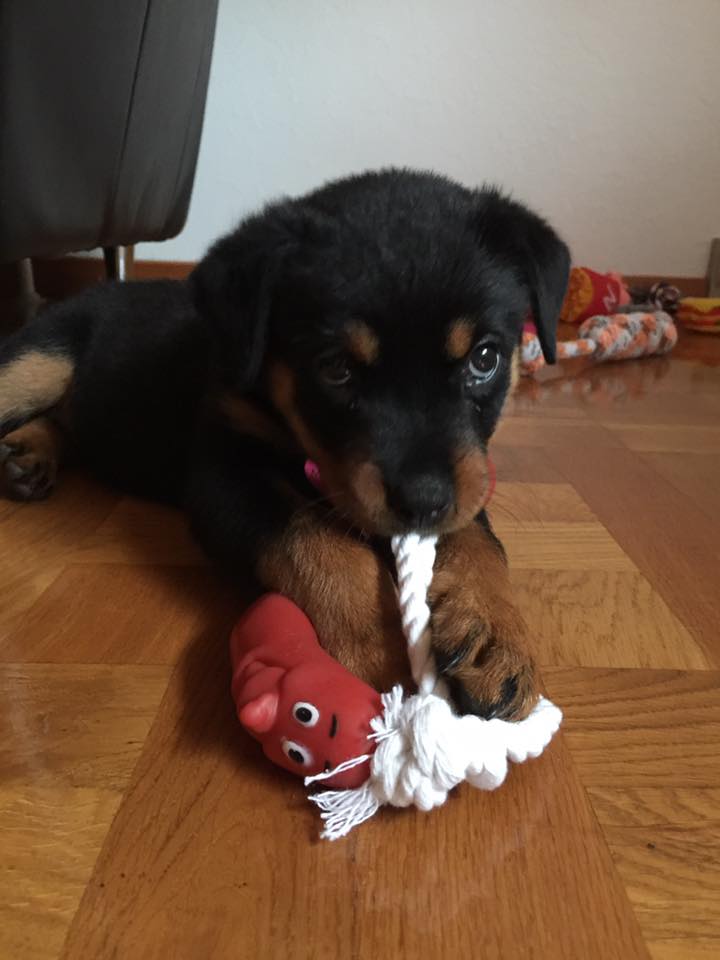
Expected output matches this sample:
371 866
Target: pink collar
312 474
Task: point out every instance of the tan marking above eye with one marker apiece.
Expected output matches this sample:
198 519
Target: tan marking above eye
363 342
460 339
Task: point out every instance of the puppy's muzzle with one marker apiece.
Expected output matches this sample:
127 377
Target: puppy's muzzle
422 500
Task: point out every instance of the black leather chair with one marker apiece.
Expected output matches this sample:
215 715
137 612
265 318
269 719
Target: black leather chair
101 110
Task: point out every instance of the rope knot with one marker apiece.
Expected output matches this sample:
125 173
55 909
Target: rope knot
417 760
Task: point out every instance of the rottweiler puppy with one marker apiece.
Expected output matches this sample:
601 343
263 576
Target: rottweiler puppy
371 327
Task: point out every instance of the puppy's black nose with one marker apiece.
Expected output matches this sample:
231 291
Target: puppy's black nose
422 500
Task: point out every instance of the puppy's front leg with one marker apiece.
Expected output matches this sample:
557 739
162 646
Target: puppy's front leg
481 642
251 521
345 589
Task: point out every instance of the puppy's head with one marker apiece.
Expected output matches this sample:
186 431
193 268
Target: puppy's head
380 315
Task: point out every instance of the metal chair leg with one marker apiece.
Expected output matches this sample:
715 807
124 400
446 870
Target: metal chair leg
28 300
119 262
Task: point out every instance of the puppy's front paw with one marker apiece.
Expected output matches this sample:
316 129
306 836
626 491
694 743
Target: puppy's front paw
483 657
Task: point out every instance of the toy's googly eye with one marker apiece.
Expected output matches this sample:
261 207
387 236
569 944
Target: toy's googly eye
297 753
306 714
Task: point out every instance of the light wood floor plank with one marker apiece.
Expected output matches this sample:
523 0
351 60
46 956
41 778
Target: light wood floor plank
119 613
137 819
536 545
602 618
69 740
671 541
229 857
647 744
682 948
672 877
35 540
516 503
137 533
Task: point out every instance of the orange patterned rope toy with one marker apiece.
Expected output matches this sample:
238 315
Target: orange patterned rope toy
622 336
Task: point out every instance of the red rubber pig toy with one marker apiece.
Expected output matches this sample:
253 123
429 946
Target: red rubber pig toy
308 712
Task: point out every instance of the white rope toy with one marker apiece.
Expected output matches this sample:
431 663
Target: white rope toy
423 748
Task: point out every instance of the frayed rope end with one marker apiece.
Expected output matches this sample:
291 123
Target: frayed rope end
341 810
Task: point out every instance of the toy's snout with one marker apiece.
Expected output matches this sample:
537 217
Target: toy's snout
258 716
307 711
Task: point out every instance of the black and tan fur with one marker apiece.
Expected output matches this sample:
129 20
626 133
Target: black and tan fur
370 326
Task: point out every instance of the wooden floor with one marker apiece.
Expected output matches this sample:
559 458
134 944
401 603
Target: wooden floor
137 821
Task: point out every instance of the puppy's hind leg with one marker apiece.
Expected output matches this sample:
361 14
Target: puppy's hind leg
37 365
32 381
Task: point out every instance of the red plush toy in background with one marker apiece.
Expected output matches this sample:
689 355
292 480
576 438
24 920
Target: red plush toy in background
308 712
593 294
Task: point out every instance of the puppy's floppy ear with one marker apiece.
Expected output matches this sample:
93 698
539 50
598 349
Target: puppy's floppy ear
233 289
514 233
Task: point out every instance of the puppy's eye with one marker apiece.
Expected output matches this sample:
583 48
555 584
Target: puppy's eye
306 713
297 753
333 370
484 362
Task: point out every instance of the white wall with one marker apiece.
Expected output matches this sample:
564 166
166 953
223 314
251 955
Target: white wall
604 116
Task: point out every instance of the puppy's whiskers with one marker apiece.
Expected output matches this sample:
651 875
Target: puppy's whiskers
501 504
319 501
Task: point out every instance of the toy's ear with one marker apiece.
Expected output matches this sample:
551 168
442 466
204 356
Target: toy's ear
235 285
511 231
258 715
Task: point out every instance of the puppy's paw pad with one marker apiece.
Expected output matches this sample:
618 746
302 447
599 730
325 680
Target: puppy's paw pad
25 475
